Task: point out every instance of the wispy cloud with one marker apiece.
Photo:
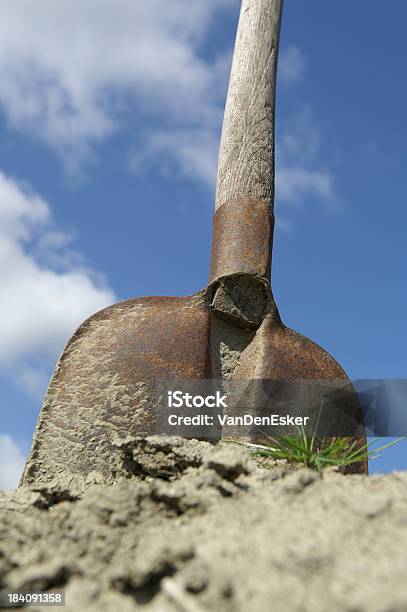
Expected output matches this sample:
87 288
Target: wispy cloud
291 65
75 72
69 68
45 291
302 174
295 183
11 462
192 153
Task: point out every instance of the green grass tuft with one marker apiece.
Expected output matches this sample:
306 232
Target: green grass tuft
318 453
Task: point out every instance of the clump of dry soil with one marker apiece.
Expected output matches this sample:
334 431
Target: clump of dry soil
190 527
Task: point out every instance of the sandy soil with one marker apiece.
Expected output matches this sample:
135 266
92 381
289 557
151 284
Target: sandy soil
189 527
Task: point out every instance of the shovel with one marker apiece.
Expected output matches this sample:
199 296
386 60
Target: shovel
105 382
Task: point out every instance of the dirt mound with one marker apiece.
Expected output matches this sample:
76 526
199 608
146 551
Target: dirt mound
193 527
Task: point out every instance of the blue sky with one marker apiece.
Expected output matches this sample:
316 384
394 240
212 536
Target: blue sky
110 115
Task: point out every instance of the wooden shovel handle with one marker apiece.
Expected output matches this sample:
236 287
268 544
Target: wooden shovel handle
246 157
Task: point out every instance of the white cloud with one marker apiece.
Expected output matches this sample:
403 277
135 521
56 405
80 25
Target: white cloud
74 72
45 293
11 462
67 68
291 65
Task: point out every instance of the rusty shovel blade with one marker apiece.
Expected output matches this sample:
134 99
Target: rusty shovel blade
105 382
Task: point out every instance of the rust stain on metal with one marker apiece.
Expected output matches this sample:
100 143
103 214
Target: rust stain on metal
242 239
